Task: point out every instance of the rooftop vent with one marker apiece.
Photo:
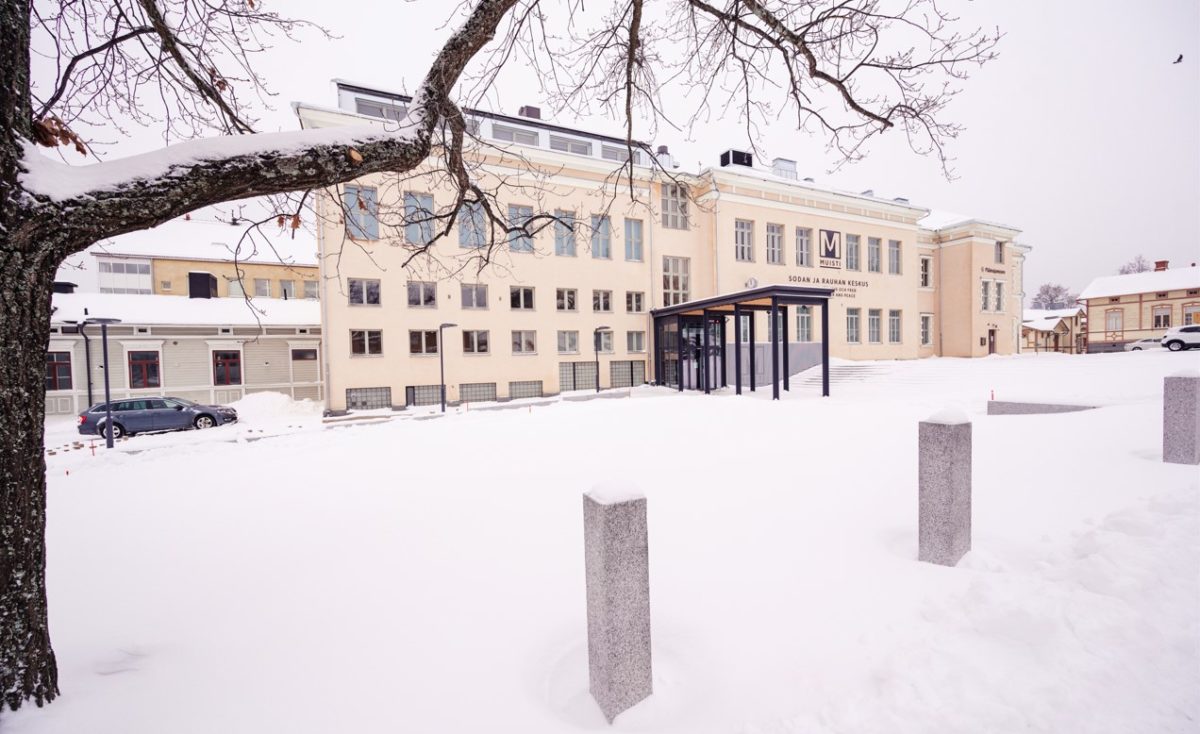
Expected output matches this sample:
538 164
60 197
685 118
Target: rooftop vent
62 286
737 158
784 168
1160 265
809 179
664 150
533 113
901 199
868 192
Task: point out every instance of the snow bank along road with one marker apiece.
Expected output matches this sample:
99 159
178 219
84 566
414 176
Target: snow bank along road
427 576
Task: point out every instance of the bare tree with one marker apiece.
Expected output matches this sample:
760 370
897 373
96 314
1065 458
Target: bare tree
847 71
1138 264
1051 296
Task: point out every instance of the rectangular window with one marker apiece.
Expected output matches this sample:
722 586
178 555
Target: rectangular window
894 257
926 271
893 326
926 329
635 341
677 280
603 341
567 145
874 316
368 398
227 367
999 296
422 295
999 253
236 289
514 135
304 355
1114 320
564 299
471 226
985 295
362 212
601 237
602 300
568 342
143 369
58 370
366 342
262 288
674 206
1162 317
873 254
380 109
423 342
804 331
475 342
852 260
744 327
564 233
1191 314
804 247
474 295
635 301
524 342
519 216
775 244
287 289
743 240
520 298
363 292
852 326
612 153
311 291
633 240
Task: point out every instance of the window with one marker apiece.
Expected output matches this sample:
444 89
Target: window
143 370
985 296
311 290
635 301
1114 320
1191 314
1162 317
999 253
366 342
999 296
164 284
423 342
743 240
304 355
775 244
471 232
475 342
874 316
635 341
852 326
58 370
474 295
567 145
262 287
422 295
564 233
852 252
926 329
602 300
601 237
926 271
287 289
235 288
613 153
379 109
363 292
564 299
520 298
519 216
894 326
677 280
674 206
804 247
873 254
514 135
603 341
227 367
568 342
524 342
744 326
804 323
633 240
368 398
362 212
894 257
418 218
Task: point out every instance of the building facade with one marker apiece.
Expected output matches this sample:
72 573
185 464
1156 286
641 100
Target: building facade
1126 308
1054 330
164 275
907 283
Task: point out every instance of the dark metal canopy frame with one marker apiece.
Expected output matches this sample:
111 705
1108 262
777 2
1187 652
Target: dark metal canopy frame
695 333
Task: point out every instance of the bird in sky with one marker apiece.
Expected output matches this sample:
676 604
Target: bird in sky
1178 60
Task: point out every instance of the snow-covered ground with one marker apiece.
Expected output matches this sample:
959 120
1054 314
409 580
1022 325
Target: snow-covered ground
427 575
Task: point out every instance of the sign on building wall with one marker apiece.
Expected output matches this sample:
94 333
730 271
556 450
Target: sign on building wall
831 249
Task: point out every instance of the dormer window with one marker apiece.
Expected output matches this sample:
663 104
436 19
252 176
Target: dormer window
567 145
613 153
514 135
382 110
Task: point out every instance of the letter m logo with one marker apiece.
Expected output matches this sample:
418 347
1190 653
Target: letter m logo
831 245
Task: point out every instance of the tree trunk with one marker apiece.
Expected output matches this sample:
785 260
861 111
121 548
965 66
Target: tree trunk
27 666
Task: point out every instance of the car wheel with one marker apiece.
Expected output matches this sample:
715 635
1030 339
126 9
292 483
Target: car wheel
1175 346
205 421
118 431
1136 349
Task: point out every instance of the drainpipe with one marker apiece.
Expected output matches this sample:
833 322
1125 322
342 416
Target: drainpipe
87 359
651 361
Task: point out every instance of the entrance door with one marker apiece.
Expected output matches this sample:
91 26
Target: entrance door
991 341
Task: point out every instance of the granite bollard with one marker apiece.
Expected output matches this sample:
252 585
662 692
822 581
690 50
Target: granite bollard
944 491
1181 418
617 561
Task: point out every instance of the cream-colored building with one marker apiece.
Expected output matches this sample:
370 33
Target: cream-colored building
907 282
1126 308
1054 330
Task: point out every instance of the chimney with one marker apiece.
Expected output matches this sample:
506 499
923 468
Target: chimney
664 150
784 168
1160 265
533 113
737 158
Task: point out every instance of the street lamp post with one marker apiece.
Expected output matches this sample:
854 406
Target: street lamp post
108 430
442 359
596 345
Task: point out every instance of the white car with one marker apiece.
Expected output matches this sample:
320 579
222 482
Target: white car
1138 345
1181 338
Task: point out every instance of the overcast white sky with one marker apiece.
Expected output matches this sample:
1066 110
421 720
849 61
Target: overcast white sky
1083 134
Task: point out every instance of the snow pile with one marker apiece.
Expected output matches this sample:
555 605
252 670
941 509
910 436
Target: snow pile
176 310
262 407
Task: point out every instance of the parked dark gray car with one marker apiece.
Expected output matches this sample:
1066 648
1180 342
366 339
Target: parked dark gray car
139 415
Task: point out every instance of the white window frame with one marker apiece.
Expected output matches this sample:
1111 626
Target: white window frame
926 329
674 206
895 257
562 295
854 326
895 326
677 280
874 326
635 342
874 255
926 271
743 240
804 247
527 304
364 282
804 317
774 243
635 301
601 301
519 136
521 339
568 341
634 238
474 289
472 336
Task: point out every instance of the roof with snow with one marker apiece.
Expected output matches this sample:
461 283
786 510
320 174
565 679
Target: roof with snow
1153 281
211 239
1032 314
1048 323
182 311
941 219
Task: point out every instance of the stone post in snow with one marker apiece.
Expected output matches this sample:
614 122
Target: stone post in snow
617 561
944 492
1181 418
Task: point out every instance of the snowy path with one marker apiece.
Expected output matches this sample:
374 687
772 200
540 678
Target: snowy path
427 576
